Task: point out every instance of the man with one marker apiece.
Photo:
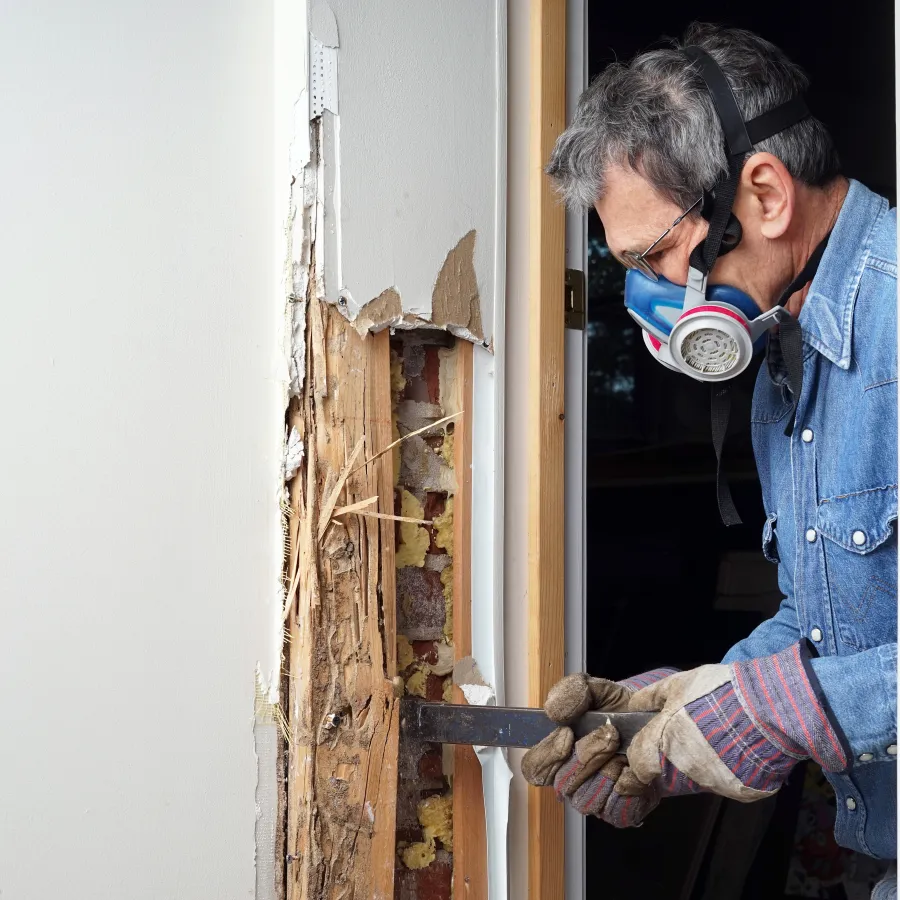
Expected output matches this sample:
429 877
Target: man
648 151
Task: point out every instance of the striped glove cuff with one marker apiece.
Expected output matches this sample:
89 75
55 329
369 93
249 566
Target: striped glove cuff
636 682
783 697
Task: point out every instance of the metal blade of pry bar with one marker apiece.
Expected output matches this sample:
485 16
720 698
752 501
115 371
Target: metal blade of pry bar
502 726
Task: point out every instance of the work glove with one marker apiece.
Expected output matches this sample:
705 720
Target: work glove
735 730
588 772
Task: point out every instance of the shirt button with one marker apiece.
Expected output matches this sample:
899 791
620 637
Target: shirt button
816 634
851 804
807 435
892 750
866 757
859 538
811 535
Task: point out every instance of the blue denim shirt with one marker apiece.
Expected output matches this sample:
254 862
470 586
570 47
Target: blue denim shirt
830 495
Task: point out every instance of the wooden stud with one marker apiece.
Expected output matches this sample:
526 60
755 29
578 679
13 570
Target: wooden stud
469 827
380 436
342 779
546 512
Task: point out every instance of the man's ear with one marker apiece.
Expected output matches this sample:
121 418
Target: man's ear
769 190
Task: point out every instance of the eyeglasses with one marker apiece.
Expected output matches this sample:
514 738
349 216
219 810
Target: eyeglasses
632 260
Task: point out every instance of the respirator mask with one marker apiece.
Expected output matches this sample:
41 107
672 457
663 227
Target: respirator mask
711 332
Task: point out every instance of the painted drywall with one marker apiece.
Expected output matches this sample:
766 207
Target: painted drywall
420 94
141 440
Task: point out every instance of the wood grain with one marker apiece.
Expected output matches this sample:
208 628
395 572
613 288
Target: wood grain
342 780
469 826
546 509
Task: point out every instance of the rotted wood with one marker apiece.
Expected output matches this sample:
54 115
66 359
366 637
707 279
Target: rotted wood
343 717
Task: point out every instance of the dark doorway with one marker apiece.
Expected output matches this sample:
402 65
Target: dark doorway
668 584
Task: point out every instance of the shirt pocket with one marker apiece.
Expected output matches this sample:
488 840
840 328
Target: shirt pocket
770 539
861 564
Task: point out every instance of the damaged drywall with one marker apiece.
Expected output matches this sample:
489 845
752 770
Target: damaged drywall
395 221
424 249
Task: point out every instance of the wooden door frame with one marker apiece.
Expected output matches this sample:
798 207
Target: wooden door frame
546 506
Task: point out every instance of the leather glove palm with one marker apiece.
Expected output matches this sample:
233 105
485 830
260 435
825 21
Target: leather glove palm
589 773
736 730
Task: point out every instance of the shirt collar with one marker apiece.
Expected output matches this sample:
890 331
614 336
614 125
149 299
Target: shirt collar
827 314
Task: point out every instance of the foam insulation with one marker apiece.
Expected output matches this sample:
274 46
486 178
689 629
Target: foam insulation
418 855
436 818
444 664
405 655
415 684
443 528
385 269
447 590
435 815
414 539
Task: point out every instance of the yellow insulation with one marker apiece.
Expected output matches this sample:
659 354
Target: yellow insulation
414 540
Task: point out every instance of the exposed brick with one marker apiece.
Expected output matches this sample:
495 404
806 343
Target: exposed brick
431 374
431 766
425 651
434 688
421 610
434 881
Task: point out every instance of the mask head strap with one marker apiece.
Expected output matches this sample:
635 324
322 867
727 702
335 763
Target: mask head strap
740 136
724 229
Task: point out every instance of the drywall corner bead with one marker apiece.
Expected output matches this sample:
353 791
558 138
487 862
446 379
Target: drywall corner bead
323 55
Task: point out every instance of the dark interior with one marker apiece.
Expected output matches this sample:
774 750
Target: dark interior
668 584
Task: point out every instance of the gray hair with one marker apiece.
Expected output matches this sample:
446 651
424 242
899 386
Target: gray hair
654 115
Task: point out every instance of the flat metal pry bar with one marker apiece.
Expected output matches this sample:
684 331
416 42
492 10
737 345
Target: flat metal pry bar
502 726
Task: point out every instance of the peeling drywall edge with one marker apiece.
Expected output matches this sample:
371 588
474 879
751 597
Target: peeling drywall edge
455 297
292 149
266 736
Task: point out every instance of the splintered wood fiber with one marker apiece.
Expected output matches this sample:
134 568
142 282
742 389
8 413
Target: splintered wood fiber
341 712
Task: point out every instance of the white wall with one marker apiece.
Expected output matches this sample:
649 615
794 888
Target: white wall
138 454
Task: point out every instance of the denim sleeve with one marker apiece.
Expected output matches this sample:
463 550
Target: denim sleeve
770 637
861 691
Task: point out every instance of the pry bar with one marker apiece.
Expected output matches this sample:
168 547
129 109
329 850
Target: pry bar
502 726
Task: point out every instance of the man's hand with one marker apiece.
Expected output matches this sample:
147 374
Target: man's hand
589 773
735 730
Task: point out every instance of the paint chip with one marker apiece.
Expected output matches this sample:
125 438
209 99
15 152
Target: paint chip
467 676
